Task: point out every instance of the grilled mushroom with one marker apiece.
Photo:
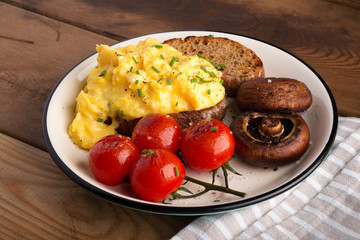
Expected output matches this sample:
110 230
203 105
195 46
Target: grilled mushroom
273 95
270 139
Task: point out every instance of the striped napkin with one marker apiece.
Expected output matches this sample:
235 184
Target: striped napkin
324 206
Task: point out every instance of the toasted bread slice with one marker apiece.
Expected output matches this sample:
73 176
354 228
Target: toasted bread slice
241 63
185 119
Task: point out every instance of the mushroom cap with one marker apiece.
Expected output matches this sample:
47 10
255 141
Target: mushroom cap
252 148
273 95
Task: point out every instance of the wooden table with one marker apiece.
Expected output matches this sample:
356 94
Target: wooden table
41 40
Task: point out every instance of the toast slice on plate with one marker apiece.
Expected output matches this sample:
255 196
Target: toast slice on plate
237 62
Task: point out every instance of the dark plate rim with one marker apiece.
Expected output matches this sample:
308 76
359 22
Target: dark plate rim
193 210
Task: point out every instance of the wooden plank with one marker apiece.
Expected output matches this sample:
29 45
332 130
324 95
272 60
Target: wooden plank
323 34
38 201
33 59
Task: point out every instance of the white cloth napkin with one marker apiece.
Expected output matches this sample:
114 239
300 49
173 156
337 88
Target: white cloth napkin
324 206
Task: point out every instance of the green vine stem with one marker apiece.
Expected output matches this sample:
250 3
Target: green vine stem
207 186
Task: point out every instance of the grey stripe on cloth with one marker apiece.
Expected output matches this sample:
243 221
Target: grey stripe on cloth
324 206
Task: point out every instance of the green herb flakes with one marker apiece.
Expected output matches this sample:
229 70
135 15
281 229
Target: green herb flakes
151 152
204 69
155 69
103 72
134 60
140 92
173 60
212 75
214 128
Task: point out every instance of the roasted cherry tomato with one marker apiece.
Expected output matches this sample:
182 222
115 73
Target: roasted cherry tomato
207 144
156 174
157 131
110 158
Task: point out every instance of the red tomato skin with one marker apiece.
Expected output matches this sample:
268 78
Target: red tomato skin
204 149
153 177
110 158
157 131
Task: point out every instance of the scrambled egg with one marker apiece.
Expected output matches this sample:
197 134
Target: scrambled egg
134 81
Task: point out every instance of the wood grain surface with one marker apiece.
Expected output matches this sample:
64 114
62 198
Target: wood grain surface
41 40
36 53
37 201
58 34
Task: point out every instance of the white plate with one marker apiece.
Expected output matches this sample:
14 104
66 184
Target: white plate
259 183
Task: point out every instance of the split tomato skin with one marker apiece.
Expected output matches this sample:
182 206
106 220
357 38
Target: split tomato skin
156 174
157 131
207 144
110 158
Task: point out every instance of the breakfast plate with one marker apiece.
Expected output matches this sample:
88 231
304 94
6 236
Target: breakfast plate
259 183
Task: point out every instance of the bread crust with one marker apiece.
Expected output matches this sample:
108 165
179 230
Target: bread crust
185 119
241 63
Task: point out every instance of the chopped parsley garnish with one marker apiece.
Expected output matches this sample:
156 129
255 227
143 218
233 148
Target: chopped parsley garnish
100 120
162 57
137 72
151 152
221 81
212 75
204 69
131 68
134 60
169 81
140 92
176 171
157 46
155 69
201 79
214 128
210 35
194 80
137 82
103 72
173 60
218 67
209 91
